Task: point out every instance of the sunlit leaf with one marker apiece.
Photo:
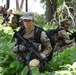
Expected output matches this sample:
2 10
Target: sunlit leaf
25 71
35 71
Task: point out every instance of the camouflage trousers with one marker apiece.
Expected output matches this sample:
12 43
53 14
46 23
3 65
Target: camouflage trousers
61 48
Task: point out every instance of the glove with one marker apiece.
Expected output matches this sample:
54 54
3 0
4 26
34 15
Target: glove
43 55
19 48
15 49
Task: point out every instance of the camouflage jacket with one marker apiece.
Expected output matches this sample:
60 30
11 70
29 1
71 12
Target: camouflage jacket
12 21
62 39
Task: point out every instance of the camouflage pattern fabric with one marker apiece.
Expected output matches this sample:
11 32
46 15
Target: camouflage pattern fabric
44 40
63 41
12 21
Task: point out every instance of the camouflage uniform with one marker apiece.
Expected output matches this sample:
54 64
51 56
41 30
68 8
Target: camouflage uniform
1 10
63 40
44 46
12 20
45 50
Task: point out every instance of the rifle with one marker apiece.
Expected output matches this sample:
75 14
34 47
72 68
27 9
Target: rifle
32 47
73 35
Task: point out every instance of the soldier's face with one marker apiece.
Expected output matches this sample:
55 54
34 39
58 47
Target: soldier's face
66 26
28 23
9 12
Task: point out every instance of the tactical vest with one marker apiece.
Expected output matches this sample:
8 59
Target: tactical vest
37 33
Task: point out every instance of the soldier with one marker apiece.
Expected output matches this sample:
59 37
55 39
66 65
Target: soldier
11 19
62 38
1 10
37 35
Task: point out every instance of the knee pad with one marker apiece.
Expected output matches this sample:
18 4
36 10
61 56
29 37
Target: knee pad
34 63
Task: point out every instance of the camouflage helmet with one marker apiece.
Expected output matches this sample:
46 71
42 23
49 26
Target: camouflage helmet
64 21
9 10
28 16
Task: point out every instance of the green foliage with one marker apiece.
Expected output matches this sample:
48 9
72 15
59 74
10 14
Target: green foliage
18 12
42 1
41 22
8 65
14 68
25 70
65 57
59 2
35 71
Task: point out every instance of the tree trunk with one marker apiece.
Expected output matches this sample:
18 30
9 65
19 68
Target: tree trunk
7 4
50 9
17 4
21 5
2 1
26 3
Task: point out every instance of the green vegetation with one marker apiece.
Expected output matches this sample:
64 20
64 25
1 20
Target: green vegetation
63 63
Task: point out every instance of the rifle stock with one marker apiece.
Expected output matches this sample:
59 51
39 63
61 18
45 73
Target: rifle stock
32 48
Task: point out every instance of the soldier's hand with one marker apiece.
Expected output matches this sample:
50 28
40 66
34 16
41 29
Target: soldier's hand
43 55
15 49
19 48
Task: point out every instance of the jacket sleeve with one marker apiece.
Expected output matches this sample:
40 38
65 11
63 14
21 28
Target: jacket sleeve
63 34
11 18
45 42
